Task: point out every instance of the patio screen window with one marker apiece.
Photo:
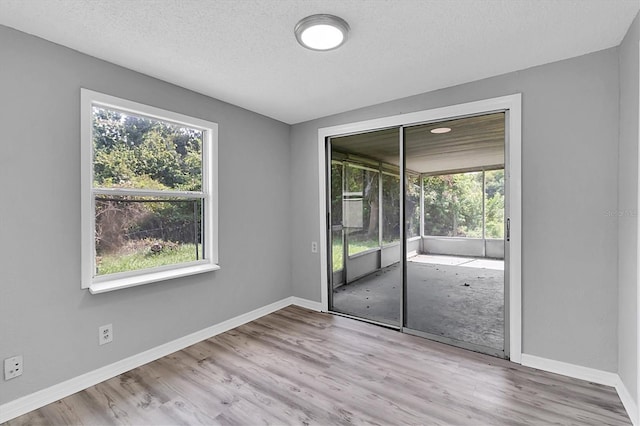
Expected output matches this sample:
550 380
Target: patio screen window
390 208
361 208
149 193
412 205
467 205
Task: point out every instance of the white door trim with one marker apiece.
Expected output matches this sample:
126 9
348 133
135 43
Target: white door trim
512 103
637 420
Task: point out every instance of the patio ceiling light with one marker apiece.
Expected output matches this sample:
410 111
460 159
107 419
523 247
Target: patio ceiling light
322 32
440 130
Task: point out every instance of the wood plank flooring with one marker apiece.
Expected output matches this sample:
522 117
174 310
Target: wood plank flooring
301 367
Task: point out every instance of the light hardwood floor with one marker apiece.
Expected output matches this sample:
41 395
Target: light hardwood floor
301 367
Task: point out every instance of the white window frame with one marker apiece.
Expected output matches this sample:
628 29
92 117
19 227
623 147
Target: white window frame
209 195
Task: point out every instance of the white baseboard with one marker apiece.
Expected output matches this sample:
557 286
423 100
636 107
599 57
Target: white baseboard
628 402
25 404
589 374
571 370
306 303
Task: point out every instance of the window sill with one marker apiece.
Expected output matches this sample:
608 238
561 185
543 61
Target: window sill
120 283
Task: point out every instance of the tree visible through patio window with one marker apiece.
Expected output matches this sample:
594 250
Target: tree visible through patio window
390 208
151 191
453 204
412 205
361 214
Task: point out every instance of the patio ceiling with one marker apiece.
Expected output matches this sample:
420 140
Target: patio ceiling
472 143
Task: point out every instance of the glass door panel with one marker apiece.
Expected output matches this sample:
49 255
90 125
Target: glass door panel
365 226
454 267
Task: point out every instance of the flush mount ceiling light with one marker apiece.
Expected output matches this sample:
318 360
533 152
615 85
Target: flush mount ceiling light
322 32
441 130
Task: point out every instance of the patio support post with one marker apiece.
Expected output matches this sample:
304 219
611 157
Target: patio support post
380 205
484 241
421 210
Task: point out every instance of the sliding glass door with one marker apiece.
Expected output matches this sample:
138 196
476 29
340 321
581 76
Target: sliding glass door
440 189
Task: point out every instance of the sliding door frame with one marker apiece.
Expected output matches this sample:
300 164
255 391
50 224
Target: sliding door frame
512 106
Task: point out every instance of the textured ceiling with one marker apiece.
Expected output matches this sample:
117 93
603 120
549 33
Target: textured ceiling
244 51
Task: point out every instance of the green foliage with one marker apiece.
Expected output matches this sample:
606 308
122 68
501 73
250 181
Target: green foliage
412 205
337 251
495 217
144 258
356 247
138 152
363 183
143 153
336 193
390 208
494 204
453 204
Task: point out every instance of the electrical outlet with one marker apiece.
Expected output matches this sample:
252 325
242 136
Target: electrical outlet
12 367
314 246
105 334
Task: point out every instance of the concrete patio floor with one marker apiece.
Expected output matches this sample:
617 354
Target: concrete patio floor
454 297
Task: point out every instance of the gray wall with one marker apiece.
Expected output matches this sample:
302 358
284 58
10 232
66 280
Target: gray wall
570 139
44 314
628 210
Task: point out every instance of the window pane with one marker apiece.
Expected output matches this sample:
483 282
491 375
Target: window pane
412 205
132 151
336 193
390 208
133 233
337 251
494 204
337 248
360 207
453 205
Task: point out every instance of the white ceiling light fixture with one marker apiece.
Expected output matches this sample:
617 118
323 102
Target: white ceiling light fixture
440 130
322 32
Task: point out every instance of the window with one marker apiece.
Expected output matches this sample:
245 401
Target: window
454 204
390 208
149 194
494 203
412 205
361 203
